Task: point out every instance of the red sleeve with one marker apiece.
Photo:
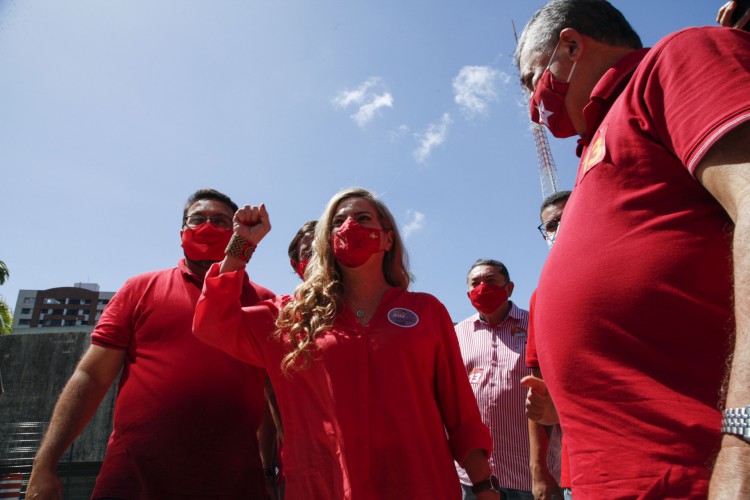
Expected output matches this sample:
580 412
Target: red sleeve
252 293
696 89
532 360
458 406
222 322
115 328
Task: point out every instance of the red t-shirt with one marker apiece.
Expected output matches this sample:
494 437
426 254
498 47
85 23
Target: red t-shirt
633 313
368 419
186 414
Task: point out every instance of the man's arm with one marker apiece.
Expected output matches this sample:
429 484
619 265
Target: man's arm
477 467
543 484
725 172
78 402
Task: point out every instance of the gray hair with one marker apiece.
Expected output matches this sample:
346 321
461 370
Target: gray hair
597 19
490 262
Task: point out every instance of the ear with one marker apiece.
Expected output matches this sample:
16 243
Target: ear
572 43
388 240
510 287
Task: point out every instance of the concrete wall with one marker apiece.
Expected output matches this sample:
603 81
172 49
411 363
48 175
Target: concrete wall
34 370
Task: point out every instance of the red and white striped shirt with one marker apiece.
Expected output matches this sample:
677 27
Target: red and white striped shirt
495 359
10 486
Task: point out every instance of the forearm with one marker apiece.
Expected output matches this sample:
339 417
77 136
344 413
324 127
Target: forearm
538 447
477 466
738 390
77 404
231 264
733 463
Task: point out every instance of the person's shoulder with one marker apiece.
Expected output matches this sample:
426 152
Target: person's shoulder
519 312
422 298
467 324
144 279
688 40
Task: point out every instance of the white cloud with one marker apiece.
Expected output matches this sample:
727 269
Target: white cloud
399 132
416 222
367 111
346 97
477 86
366 98
434 136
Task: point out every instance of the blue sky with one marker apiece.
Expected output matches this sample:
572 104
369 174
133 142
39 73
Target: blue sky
112 113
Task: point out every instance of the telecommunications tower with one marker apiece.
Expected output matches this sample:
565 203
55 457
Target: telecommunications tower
545 162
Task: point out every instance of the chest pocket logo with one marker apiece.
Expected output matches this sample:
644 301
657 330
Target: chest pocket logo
403 317
595 152
475 375
519 333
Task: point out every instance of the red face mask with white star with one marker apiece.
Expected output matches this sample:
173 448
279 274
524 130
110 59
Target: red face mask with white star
547 104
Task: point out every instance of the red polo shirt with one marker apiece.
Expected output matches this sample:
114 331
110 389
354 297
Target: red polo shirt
186 414
633 313
368 419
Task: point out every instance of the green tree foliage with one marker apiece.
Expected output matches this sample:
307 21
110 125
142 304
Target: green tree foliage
6 317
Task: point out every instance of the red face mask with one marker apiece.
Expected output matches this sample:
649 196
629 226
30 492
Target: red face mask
547 104
353 243
299 267
487 298
205 242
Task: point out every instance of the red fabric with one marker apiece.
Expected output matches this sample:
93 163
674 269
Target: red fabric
368 419
186 414
532 361
353 244
633 311
10 486
206 242
487 298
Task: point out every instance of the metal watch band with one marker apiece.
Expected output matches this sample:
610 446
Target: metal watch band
737 421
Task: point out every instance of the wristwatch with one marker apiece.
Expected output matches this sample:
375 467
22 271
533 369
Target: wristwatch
737 421
489 484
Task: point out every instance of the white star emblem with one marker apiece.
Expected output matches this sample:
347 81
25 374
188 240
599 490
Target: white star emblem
544 114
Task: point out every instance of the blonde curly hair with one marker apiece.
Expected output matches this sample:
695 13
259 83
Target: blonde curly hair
319 298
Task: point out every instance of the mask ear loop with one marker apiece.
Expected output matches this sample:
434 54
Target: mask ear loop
549 63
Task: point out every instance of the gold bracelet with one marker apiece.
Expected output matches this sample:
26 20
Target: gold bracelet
240 247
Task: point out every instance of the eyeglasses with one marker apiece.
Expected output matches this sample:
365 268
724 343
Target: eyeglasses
222 221
549 227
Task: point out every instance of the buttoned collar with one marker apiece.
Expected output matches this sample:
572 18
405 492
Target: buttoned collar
514 313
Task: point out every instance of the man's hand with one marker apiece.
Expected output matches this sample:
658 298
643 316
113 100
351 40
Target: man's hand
252 223
539 405
724 17
44 484
544 486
